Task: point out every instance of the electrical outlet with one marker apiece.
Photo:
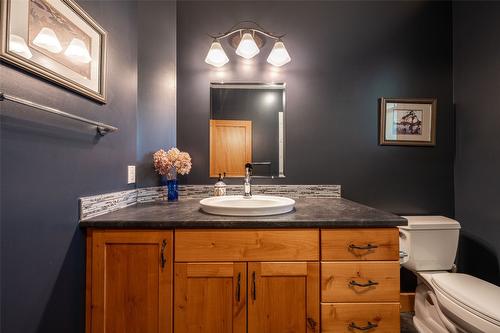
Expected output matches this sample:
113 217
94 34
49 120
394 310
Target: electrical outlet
131 174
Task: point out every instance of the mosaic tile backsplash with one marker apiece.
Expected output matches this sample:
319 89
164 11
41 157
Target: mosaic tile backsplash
105 203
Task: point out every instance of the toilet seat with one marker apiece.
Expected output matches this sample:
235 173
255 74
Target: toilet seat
468 301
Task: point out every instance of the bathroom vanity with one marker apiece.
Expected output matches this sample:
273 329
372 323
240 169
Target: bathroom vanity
332 265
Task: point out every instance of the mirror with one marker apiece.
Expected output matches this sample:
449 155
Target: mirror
247 126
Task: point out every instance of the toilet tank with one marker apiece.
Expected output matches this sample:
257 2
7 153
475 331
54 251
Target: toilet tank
429 242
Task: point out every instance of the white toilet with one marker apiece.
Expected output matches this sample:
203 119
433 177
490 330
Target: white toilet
445 301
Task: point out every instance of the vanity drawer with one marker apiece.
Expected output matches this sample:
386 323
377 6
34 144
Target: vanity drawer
360 244
246 245
345 317
378 281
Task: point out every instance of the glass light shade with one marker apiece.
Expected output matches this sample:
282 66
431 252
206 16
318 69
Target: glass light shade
77 51
247 47
279 55
47 39
216 55
18 45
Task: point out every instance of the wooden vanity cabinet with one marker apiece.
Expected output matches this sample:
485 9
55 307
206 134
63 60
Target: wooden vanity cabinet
243 280
129 281
279 290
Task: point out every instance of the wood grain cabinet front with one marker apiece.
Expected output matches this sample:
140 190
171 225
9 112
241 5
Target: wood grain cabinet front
129 281
360 281
283 297
242 280
210 297
255 297
247 245
360 317
360 244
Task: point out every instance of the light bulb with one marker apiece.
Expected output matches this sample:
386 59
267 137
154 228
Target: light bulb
279 55
216 55
47 39
77 51
247 47
18 45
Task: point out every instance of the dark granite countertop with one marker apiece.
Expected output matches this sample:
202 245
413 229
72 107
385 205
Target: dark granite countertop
308 213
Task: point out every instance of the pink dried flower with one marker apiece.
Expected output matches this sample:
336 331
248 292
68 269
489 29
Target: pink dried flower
173 154
183 163
172 160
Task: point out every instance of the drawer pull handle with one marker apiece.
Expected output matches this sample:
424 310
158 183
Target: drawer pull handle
363 247
370 283
363 328
254 287
238 286
163 260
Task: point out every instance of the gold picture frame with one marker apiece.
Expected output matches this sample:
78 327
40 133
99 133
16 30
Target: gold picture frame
56 40
408 121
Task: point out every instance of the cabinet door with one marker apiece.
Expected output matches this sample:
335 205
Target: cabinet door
283 297
230 147
210 297
131 281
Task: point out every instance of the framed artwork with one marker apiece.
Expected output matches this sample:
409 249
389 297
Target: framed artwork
57 40
408 122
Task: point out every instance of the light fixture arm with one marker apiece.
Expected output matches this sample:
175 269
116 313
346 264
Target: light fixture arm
237 29
251 39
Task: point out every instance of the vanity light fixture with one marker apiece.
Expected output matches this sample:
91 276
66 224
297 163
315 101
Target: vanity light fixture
77 51
47 39
247 48
279 55
18 45
216 55
247 37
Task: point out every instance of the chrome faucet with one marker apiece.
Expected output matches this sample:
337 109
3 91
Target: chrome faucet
248 178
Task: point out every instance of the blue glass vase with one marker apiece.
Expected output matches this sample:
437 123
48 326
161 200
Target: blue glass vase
172 185
172 190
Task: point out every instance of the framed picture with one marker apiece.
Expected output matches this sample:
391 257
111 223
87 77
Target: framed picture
57 40
408 122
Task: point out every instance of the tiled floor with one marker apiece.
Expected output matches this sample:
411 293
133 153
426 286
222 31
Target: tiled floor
407 323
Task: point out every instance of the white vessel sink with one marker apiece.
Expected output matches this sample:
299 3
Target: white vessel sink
238 205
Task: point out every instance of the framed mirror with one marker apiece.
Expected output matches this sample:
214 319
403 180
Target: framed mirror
247 125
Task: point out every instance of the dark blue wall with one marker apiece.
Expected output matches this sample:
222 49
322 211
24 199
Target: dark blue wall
47 163
345 56
45 167
476 67
157 82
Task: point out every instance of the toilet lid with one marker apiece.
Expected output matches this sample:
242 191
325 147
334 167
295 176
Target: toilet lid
481 297
430 223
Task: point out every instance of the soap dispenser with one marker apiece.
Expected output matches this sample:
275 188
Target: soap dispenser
220 186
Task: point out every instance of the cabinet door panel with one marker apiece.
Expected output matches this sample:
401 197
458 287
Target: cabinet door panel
283 297
210 298
130 282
